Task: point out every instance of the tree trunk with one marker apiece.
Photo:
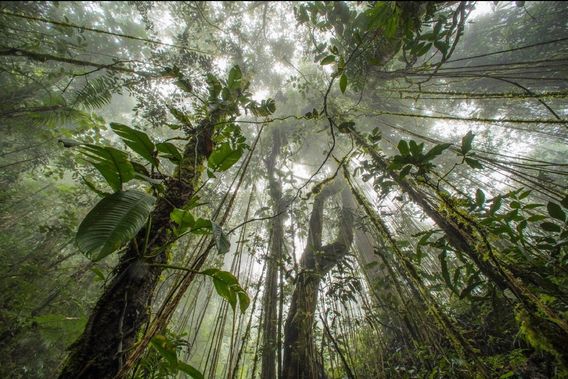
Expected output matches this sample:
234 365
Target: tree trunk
124 306
274 260
539 318
301 360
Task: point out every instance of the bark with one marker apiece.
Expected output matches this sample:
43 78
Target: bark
542 319
274 260
123 307
301 360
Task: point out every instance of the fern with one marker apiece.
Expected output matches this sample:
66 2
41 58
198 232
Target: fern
96 93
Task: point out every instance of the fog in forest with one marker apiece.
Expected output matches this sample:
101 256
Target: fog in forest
290 190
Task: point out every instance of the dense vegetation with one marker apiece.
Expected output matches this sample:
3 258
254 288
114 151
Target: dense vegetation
283 190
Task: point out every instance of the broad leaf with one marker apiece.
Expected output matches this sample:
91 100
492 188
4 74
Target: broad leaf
169 151
221 239
202 226
328 60
479 198
466 142
138 141
415 149
113 164
343 83
227 286
473 163
555 211
224 157
114 221
190 370
162 345
184 220
550 227
436 150
244 300
403 148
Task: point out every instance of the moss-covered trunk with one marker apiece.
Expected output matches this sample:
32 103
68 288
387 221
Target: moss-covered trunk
124 306
539 321
300 357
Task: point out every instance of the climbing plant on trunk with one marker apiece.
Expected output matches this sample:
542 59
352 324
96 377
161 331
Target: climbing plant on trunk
123 307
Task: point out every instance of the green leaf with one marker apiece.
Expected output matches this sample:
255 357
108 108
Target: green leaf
550 227
235 76
466 142
564 202
467 290
328 60
162 345
221 239
138 141
227 286
244 301
169 151
202 226
405 171
224 157
113 164
183 218
495 205
444 267
180 116
343 83
415 149
190 370
436 150
224 290
98 273
473 163
479 198
114 221
68 142
555 211
403 148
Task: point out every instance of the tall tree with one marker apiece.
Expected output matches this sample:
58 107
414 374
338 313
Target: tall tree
301 360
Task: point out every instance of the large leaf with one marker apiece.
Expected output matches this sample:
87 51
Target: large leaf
136 140
189 370
114 221
169 151
221 239
113 164
224 157
403 148
436 150
554 210
227 286
343 83
466 142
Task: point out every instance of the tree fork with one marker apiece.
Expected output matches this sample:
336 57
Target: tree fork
301 361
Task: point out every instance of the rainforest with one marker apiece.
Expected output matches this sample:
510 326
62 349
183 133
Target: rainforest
283 190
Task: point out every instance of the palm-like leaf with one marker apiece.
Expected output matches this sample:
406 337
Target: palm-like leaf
114 221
